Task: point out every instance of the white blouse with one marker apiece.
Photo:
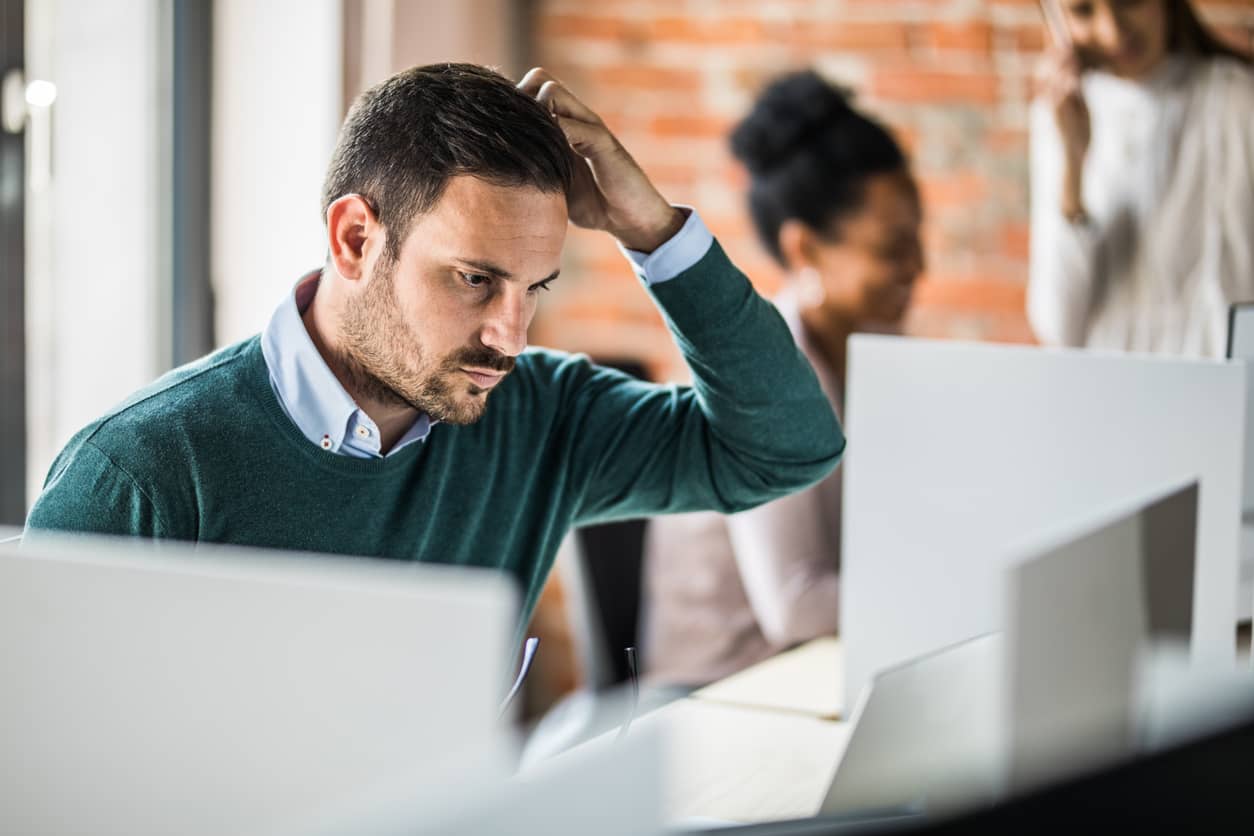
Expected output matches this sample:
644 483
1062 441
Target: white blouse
1169 191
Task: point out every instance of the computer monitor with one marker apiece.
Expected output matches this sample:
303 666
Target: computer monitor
156 688
1241 347
958 451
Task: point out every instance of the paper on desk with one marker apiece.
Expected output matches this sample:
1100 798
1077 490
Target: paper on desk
808 679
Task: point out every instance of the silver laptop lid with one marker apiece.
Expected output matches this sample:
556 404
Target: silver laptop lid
926 734
156 689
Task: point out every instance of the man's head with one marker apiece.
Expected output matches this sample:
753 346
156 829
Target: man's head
445 205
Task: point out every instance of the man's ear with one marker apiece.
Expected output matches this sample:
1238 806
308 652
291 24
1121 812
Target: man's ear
352 231
798 245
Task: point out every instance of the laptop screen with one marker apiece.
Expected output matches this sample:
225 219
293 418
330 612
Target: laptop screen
1241 347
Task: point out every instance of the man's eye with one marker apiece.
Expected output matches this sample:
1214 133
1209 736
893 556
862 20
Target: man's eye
544 285
475 279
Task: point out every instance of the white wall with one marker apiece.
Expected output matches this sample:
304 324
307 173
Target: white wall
276 111
92 231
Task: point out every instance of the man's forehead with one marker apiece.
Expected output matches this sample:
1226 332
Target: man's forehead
480 219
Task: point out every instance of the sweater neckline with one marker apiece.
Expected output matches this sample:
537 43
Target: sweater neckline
258 378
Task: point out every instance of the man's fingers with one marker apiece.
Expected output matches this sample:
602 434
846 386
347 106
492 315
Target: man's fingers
534 80
586 139
562 102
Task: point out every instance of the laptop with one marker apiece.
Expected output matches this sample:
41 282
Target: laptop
1082 612
924 741
1051 696
160 688
925 736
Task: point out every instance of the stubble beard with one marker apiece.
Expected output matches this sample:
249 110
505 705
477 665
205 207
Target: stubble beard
383 360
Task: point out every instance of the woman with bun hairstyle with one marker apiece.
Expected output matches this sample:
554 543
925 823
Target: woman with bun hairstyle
833 201
1142 169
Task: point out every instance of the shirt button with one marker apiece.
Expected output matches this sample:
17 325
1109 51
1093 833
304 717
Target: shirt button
363 432
326 442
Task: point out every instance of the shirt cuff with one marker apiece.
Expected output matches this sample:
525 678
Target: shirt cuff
683 250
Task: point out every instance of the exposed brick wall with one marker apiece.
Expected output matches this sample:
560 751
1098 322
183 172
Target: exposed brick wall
950 76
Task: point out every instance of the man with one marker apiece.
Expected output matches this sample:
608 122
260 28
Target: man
389 408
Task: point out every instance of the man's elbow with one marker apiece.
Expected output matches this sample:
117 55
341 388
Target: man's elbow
780 478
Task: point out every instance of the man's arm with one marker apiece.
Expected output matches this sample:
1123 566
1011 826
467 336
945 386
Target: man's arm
753 426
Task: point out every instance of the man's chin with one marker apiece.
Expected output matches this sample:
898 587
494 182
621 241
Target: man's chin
464 409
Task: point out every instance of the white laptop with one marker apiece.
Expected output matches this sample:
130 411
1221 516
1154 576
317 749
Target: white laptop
1082 612
1241 347
1053 695
926 735
159 689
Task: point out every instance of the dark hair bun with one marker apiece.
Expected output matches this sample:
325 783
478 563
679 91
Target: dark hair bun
789 113
809 152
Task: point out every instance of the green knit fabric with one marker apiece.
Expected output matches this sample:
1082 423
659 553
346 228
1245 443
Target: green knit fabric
206 453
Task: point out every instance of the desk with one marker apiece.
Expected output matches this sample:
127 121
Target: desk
759 749
805 680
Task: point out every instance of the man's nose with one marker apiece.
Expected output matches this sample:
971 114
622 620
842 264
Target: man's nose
505 329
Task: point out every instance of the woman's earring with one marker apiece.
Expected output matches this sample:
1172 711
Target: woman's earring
811 291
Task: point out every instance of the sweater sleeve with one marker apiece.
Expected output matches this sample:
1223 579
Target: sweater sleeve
1063 256
754 425
89 493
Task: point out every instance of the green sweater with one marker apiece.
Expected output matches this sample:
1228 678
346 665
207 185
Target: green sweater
206 453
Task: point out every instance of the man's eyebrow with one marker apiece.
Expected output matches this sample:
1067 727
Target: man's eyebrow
490 269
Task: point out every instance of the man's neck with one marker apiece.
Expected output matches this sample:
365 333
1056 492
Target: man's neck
321 320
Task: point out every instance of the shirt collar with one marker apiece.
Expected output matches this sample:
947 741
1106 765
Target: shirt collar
309 391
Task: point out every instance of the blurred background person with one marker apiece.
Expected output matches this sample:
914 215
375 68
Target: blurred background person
833 200
1142 180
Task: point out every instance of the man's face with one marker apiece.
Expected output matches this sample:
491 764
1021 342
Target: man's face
439 327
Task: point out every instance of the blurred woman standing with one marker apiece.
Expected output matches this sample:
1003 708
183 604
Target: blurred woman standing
1142 169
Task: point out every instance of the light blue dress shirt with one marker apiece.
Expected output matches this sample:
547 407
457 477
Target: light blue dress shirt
327 415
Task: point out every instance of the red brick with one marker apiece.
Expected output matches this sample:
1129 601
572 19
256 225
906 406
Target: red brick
689 126
721 31
1012 329
589 27
972 36
849 36
1014 241
923 86
1007 140
1030 38
639 77
970 293
957 190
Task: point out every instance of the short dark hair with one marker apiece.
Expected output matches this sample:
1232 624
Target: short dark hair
406 136
809 153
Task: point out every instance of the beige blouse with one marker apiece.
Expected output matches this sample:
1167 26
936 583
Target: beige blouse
1169 190
724 592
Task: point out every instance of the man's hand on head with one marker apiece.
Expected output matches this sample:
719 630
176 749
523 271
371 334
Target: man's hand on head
610 192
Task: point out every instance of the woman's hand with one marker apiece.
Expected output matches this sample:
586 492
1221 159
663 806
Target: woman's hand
1059 83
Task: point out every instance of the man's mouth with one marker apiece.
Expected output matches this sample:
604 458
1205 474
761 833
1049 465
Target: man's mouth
483 378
